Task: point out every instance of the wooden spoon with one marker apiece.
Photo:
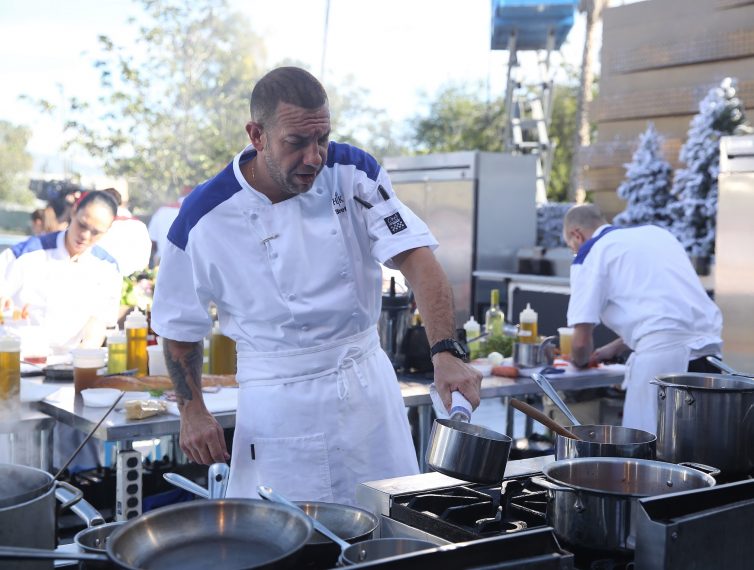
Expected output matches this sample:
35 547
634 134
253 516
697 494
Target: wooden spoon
542 418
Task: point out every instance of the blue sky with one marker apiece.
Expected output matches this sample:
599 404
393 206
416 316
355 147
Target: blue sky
397 49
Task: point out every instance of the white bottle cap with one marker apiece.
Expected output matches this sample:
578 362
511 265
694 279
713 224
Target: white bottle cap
135 320
528 315
116 337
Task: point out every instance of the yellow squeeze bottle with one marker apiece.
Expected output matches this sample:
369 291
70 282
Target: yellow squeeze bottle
136 341
527 332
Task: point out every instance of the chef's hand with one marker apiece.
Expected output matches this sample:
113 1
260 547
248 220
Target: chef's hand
609 351
202 438
453 374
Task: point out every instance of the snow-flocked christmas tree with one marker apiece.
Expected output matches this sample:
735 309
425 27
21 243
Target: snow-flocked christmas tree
647 184
695 187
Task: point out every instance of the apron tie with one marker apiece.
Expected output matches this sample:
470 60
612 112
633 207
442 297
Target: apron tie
346 362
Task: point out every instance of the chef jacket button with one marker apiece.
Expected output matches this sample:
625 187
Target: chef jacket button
343 274
273 255
305 328
254 216
319 190
334 232
354 315
291 297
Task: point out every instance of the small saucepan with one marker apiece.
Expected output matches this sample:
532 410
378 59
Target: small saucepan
364 551
466 451
606 441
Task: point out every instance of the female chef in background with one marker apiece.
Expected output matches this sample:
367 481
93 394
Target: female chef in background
71 288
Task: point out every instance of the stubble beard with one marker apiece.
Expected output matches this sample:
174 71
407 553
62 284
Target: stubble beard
286 184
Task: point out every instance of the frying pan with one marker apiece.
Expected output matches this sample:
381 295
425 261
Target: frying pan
223 535
365 551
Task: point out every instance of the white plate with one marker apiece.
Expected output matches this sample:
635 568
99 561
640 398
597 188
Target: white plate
100 397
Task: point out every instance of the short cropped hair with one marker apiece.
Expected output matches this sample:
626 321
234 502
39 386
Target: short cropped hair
291 85
98 197
587 216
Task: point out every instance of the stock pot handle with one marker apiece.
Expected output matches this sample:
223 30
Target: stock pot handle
549 485
711 471
69 498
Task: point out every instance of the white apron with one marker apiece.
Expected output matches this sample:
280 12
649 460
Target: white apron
655 354
314 423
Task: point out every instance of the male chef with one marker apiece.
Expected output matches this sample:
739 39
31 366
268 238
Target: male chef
640 283
287 242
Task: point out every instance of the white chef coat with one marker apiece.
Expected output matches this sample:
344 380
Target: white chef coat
640 283
300 278
128 242
159 225
61 294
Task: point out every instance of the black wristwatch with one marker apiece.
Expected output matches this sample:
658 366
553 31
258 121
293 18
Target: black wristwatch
453 346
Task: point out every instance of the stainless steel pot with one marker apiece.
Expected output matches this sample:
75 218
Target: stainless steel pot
708 418
533 355
28 510
468 452
606 441
592 501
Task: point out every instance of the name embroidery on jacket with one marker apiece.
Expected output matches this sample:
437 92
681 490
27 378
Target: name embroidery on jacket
339 203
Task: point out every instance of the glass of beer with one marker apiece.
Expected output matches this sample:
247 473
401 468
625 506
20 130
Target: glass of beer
10 369
87 362
566 338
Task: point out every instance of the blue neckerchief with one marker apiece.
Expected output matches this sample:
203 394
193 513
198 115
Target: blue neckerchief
586 247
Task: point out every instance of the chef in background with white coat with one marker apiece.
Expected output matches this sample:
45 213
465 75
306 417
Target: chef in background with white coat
287 242
640 283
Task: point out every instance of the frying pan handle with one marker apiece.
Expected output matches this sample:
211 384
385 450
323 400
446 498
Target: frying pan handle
547 388
268 494
21 553
217 480
186 484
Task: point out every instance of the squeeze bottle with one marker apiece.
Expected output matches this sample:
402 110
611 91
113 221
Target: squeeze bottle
527 332
136 342
473 330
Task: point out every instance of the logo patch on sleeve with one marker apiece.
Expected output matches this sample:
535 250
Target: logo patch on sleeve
395 223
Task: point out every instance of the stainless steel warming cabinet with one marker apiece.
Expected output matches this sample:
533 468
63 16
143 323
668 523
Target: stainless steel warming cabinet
480 207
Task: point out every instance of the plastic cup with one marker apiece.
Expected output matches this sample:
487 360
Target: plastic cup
86 363
566 339
157 366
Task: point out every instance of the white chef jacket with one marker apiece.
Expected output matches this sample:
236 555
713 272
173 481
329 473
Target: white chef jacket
640 283
296 277
128 242
62 294
159 225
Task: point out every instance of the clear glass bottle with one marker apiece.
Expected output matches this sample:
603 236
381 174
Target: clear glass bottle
494 317
117 352
10 369
527 332
136 340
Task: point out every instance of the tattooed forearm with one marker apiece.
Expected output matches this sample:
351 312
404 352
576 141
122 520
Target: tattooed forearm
184 361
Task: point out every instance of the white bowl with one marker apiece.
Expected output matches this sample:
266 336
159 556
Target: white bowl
482 365
100 397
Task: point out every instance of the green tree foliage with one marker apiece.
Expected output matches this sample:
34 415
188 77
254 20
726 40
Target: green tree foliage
15 163
459 119
562 132
174 104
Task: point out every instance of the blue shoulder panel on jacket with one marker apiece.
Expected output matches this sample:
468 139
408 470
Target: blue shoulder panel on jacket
202 200
100 253
338 153
35 243
587 246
